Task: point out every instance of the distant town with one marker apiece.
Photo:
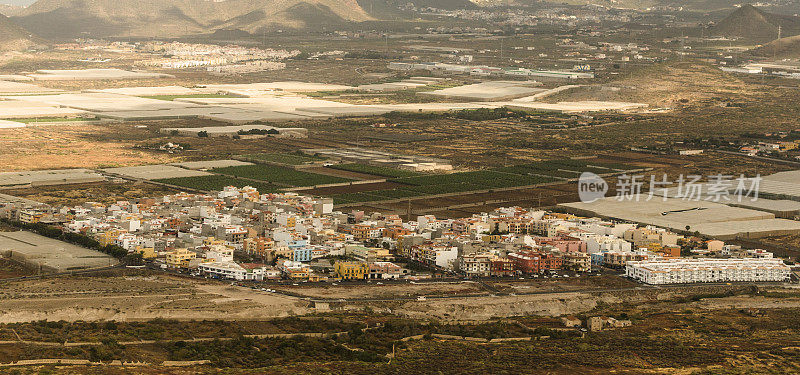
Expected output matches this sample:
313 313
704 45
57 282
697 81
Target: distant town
240 234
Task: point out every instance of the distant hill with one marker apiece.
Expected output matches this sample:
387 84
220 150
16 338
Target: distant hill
751 23
782 48
14 37
172 18
390 9
8 10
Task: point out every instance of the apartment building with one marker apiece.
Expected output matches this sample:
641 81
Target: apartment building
351 270
502 267
260 246
708 270
578 262
384 271
618 259
179 258
476 265
532 262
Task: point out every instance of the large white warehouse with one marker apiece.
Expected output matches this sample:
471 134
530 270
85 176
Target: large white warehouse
706 270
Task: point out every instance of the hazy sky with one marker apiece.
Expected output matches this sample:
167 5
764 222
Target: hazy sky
17 2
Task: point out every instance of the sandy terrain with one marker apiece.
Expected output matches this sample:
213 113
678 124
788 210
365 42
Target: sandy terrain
69 146
387 291
747 302
137 298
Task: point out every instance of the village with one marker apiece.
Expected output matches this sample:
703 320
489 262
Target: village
241 234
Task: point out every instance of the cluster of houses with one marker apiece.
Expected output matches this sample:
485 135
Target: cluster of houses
241 234
770 147
220 59
483 70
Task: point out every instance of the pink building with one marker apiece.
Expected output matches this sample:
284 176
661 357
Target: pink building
565 244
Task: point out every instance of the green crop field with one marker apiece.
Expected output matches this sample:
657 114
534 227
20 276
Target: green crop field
375 170
217 182
288 159
356 198
394 193
419 185
280 175
481 179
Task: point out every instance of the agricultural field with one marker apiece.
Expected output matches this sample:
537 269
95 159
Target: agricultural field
506 177
285 158
34 120
375 170
187 96
567 169
279 175
217 182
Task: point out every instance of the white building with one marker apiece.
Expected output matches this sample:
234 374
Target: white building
707 270
231 270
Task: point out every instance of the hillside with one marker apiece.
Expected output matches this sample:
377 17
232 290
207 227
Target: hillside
782 48
442 4
751 23
13 37
169 18
8 9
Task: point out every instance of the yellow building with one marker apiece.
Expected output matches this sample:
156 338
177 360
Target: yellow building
351 270
787 146
30 216
147 252
367 254
489 238
211 241
179 257
108 237
298 273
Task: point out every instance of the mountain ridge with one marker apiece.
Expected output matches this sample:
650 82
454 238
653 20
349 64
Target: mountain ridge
14 37
171 18
751 23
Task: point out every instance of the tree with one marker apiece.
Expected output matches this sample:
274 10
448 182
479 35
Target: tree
202 134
